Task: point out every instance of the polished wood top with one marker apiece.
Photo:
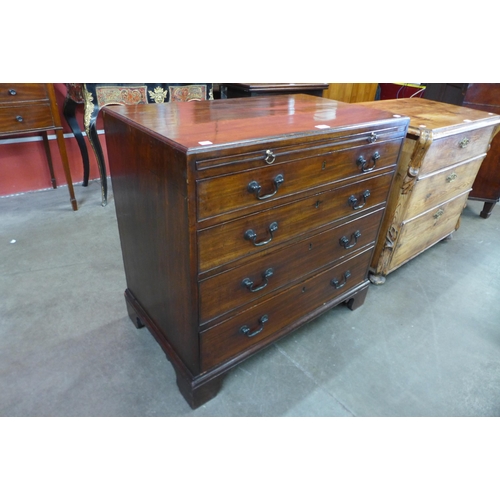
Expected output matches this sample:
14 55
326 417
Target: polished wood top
205 124
442 118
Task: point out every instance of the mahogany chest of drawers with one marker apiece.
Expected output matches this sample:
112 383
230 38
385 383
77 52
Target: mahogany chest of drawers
442 153
242 219
27 108
486 187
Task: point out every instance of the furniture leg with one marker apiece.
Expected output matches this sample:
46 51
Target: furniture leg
91 110
67 173
377 279
357 299
70 116
197 394
487 209
45 136
134 317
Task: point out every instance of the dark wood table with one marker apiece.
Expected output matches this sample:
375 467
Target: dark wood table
230 90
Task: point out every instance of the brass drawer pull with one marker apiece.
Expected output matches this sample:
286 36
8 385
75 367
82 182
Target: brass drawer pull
335 283
353 201
12 91
464 142
438 214
344 241
451 177
255 187
270 157
19 118
245 330
247 282
251 235
361 162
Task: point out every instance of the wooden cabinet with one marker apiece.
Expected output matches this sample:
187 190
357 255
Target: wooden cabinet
242 219
27 108
442 153
486 187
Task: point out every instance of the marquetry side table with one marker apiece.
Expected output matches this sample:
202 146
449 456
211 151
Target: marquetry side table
30 108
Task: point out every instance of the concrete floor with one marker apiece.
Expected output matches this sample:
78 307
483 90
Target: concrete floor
427 343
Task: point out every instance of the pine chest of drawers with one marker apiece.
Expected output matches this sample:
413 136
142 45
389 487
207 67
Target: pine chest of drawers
441 156
242 219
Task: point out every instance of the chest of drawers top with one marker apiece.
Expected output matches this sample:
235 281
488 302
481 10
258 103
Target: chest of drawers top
210 127
442 119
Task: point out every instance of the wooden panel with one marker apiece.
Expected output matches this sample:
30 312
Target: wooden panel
19 92
26 118
455 149
226 242
230 192
424 231
446 184
225 340
151 204
441 118
351 92
224 292
208 125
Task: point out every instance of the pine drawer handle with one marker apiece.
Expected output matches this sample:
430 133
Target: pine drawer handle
251 235
451 177
464 142
438 214
248 283
255 187
361 162
12 91
344 241
19 118
353 201
245 330
335 283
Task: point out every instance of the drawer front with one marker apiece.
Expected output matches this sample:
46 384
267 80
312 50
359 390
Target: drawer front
226 193
275 155
227 242
15 119
230 338
446 184
456 149
424 231
275 269
17 92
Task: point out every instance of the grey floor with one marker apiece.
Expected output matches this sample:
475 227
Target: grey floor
427 343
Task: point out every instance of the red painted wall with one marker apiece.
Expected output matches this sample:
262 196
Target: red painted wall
24 167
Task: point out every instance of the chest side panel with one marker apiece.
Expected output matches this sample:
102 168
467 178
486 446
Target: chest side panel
151 198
